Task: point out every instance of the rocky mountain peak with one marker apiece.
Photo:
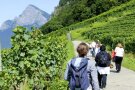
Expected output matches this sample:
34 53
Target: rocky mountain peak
31 16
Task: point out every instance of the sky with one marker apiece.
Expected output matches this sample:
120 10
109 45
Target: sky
9 9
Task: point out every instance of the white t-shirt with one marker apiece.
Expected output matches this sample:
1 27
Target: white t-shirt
119 51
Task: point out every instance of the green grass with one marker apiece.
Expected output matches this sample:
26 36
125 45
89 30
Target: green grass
70 48
129 61
76 34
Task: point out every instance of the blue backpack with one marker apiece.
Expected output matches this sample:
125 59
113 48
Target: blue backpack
78 77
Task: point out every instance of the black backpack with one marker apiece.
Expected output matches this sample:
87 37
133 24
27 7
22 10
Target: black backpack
79 76
103 59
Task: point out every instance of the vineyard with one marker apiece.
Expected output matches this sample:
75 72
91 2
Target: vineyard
116 13
121 30
105 17
34 61
111 27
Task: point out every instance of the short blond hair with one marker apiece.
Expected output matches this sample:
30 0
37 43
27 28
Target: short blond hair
119 45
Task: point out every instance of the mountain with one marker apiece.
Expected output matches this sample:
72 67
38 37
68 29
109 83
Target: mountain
9 24
31 16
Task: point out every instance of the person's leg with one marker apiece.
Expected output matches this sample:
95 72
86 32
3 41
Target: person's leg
119 64
116 63
99 79
114 59
93 52
104 79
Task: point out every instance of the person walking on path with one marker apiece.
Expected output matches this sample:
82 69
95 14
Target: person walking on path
103 60
93 44
113 55
81 72
119 56
97 49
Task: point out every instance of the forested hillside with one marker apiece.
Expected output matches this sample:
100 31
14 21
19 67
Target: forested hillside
72 11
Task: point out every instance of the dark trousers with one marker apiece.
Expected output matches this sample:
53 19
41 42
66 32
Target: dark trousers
102 78
118 62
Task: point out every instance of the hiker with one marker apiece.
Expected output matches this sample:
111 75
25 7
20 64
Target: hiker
119 56
103 60
81 72
113 55
89 54
97 49
93 44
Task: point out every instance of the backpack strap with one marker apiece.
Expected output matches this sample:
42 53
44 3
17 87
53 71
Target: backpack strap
83 63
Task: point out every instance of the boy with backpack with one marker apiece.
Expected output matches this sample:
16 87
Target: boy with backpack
81 72
103 60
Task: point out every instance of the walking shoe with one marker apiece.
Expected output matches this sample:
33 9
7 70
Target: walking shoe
117 71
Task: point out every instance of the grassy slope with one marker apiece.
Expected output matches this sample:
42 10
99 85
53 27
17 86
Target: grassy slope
70 50
103 19
129 61
109 18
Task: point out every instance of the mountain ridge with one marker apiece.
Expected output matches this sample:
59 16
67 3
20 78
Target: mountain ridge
30 16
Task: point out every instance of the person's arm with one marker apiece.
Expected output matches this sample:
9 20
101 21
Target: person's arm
115 50
112 54
123 52
97 58
109 58
93 73
67 70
